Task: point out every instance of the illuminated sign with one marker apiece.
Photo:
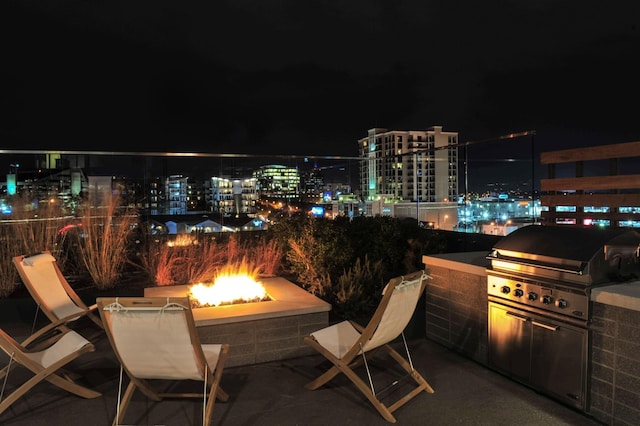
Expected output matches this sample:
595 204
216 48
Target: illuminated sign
11 184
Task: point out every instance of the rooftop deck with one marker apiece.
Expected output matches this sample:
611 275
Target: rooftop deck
273 394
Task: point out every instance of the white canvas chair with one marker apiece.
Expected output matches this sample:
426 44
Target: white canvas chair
346 344
156 338
45 363
51 291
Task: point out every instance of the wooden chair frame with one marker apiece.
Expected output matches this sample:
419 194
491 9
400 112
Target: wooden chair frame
210 374
75 305
369 339
66 347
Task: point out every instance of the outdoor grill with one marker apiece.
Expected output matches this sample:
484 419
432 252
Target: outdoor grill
539 286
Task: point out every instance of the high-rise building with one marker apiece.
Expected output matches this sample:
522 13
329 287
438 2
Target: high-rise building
415 165
278 182
312 185
176 190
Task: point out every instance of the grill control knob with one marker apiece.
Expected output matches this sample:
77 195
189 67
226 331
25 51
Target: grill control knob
518 292
505 289
532 296
561 303
547 299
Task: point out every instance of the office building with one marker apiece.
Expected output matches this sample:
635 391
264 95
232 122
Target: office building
277 182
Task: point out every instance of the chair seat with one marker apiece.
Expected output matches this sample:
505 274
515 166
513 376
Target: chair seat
337 338
46 363
69 343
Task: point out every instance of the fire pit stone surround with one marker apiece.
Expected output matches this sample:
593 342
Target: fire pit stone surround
260 331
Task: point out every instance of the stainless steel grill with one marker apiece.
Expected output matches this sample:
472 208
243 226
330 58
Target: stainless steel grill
539 286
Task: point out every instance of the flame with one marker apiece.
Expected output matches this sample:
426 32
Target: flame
228 288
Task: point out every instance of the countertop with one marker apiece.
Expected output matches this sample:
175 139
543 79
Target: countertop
474 262
624 295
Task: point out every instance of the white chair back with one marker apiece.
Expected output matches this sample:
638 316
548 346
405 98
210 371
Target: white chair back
154 342
397 313
42 273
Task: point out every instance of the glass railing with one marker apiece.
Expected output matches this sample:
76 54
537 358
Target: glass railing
496 183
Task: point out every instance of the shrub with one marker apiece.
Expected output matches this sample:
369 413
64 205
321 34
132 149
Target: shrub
105 240
346 262
201 257
267 255
359 289
31 228
316 250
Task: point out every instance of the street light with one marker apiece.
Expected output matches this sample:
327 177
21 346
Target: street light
505 227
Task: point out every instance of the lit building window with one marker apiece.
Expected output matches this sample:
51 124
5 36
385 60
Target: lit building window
629 224
602 223
565 221
593 209
629 209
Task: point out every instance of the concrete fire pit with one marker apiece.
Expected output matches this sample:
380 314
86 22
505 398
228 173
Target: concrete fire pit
260 331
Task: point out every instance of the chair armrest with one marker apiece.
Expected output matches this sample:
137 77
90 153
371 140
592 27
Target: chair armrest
50 327
357 326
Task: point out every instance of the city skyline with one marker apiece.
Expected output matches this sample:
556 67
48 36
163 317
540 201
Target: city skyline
199 166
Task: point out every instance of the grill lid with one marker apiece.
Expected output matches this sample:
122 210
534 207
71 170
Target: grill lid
581 255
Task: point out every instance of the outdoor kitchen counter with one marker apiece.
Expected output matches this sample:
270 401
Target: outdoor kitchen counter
456 302
625 295
473 262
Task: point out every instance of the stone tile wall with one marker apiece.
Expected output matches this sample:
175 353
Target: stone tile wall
456 311
264 340
615 365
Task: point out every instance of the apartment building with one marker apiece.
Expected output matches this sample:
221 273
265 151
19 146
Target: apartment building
176 190
232 196
409 165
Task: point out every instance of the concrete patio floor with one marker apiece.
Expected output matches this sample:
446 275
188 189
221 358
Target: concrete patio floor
273 393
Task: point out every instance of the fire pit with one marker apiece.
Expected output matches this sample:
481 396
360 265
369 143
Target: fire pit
259 331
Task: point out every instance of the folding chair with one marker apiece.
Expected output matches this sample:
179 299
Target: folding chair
156 338
346 344
51 291
45 364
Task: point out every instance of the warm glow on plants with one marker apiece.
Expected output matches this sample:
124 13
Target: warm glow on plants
182 240
103 244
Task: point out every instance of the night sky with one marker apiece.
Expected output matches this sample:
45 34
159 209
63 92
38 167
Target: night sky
310 77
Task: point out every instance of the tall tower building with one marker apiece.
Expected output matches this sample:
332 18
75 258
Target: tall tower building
410 165
176 193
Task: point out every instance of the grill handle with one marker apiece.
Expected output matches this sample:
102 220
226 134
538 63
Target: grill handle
495 255
518 317
543 325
